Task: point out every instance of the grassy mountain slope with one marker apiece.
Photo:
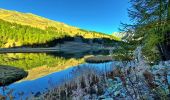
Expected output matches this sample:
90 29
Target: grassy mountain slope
13 34
30 19
43 23
36 29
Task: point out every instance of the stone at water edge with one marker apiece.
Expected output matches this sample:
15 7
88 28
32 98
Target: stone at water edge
10 74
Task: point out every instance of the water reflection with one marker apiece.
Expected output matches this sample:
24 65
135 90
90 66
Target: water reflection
44 69
38 64
40 85
41 64
80 54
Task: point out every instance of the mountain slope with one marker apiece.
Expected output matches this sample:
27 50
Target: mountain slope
43 23
30 19
17 29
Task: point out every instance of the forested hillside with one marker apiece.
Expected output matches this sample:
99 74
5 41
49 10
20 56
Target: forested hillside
17 29
13 34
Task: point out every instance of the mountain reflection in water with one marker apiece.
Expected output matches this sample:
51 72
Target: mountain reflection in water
41 64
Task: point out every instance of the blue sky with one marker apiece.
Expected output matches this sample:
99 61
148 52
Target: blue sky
97 15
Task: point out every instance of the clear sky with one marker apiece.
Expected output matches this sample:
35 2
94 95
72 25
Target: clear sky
97 15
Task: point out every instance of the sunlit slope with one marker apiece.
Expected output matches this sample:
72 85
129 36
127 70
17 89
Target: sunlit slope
30 19
44 23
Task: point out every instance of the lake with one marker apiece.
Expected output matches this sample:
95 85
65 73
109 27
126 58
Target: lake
46 70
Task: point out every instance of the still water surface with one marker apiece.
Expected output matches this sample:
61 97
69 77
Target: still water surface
46 71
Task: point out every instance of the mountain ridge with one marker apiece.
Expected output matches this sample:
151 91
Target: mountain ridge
12 13
19 29
36 21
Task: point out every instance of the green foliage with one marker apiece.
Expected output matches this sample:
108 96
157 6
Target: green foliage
149 24
13 34
151 41
124 51
150 49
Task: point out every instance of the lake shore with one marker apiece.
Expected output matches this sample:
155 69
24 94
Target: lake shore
67 47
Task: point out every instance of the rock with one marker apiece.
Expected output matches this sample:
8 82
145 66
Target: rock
86 97
10 74
114 89
167 63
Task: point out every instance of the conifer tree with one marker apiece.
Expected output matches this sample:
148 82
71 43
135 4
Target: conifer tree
150 25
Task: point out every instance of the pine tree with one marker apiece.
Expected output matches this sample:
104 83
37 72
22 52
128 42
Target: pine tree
150 25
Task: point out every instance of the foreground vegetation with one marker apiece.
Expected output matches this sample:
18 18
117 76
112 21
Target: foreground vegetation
150 27
133 80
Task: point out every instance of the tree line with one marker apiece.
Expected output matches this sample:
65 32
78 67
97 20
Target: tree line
17 35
